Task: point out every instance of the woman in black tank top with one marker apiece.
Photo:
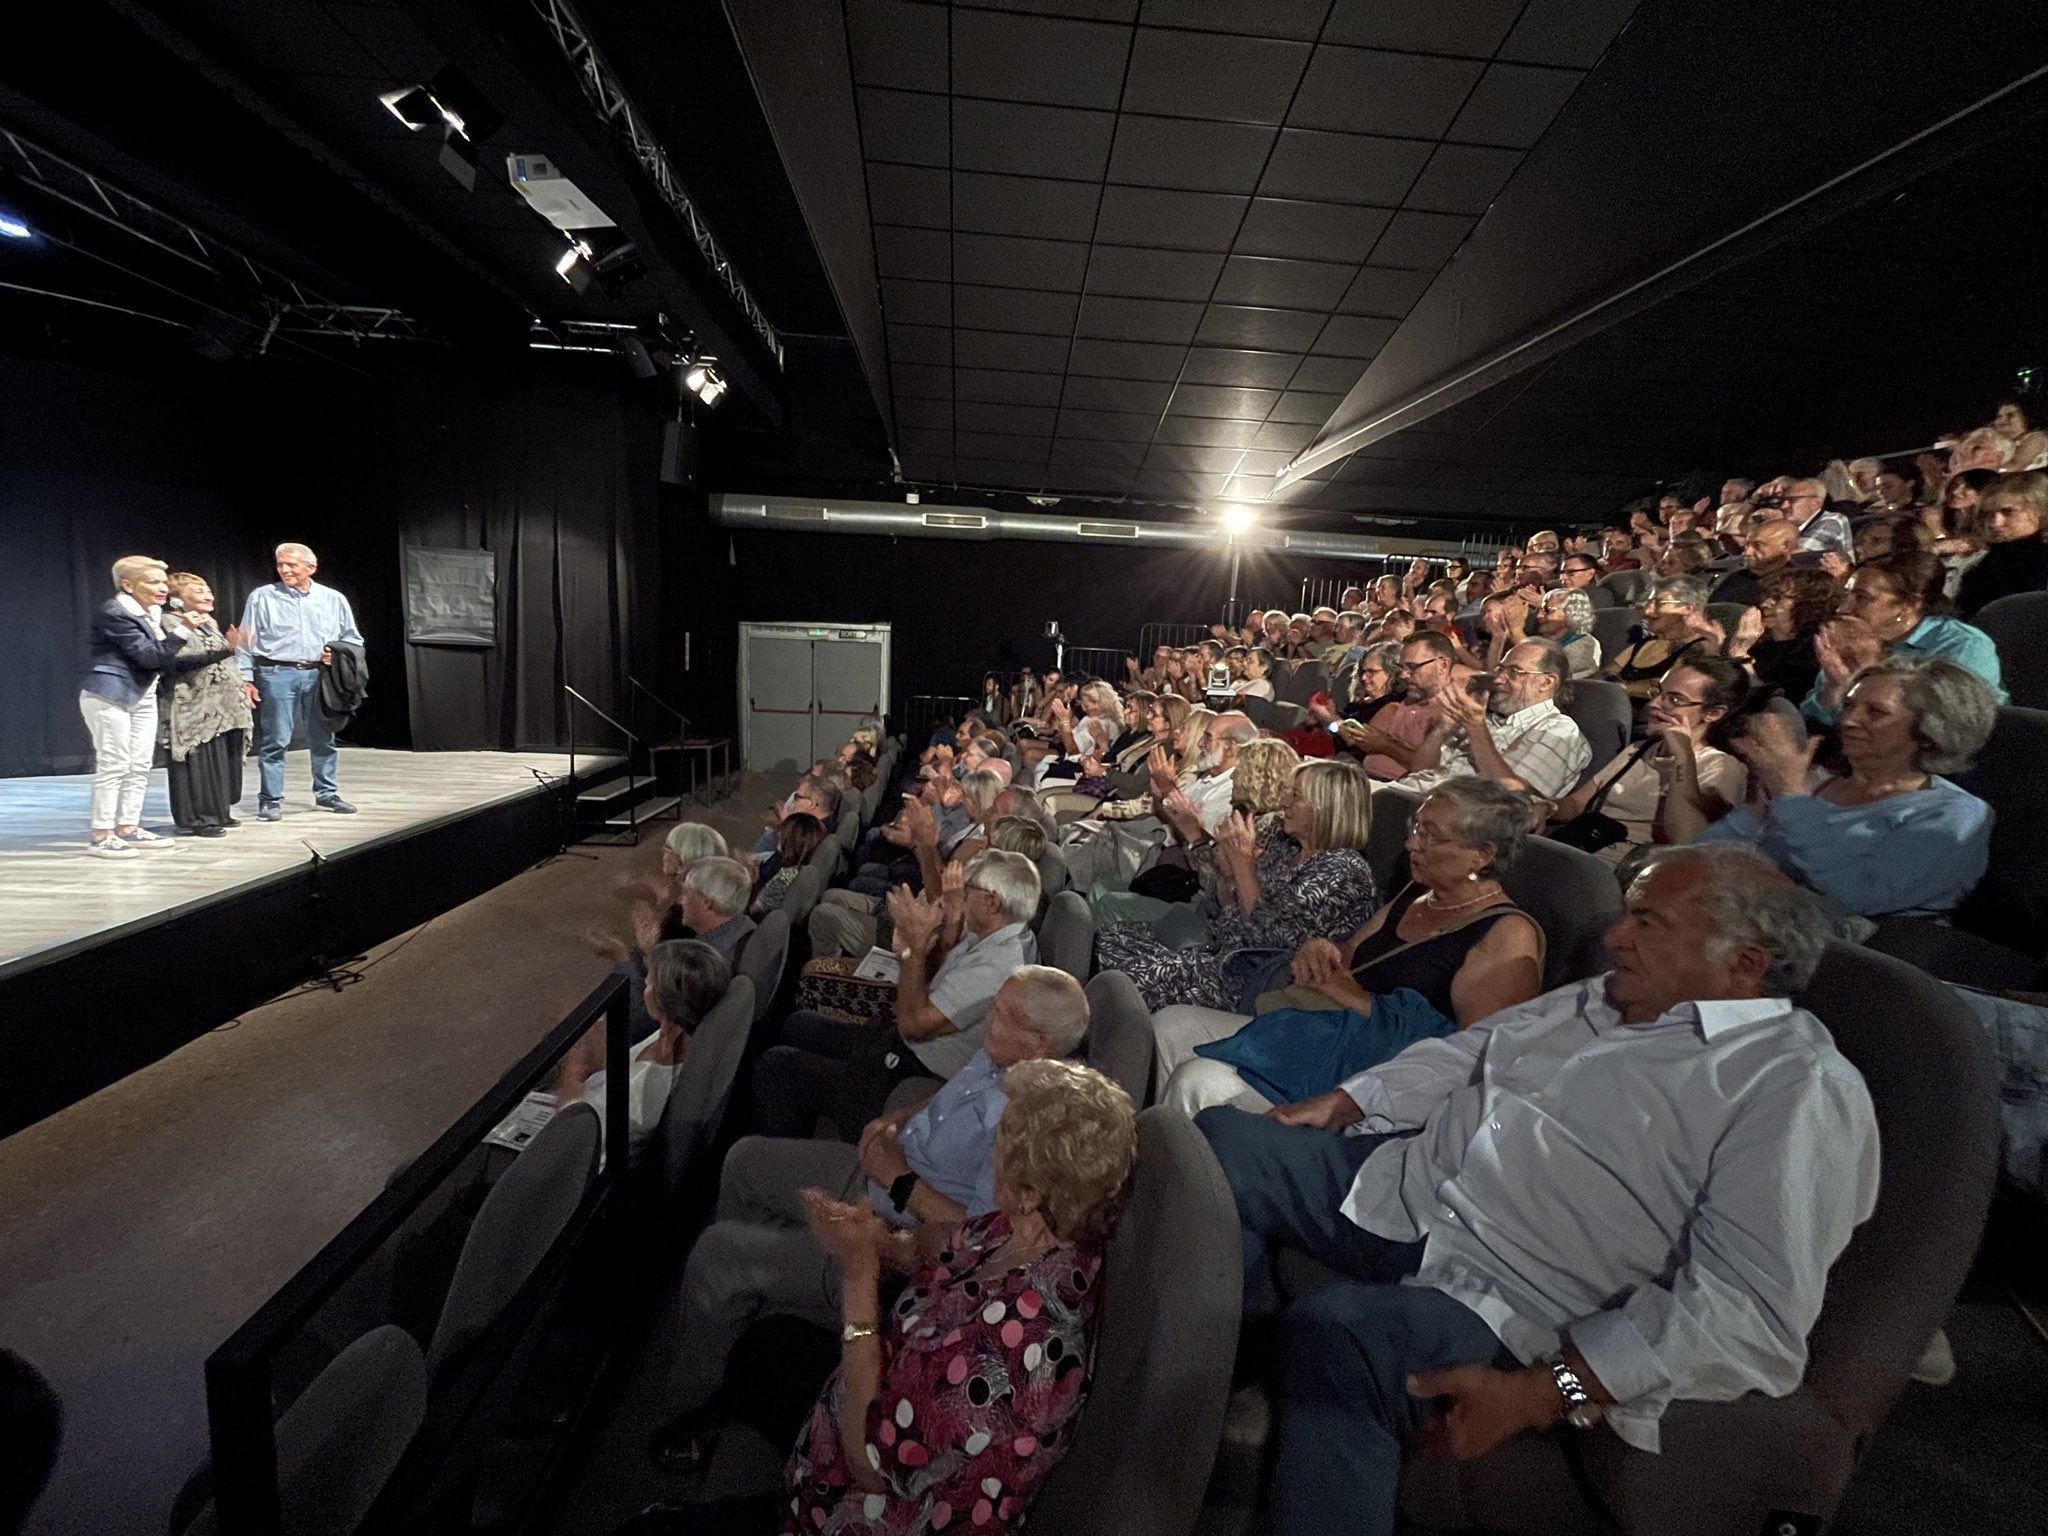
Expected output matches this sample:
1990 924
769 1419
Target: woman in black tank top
1448 951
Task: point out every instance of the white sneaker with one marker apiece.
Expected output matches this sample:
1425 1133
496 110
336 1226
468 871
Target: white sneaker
1937 1365
143 835
112 848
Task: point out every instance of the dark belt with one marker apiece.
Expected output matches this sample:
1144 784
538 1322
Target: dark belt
298 666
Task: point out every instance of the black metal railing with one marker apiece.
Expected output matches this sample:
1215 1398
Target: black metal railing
240 1388
632 752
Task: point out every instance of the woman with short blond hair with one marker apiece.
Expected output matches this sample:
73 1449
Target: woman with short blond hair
131 656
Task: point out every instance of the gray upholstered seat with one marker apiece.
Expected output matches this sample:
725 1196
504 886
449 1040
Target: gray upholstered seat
2018 625
1120 1035
763 958
702 1089
1171 1297
1066 935
1612 626
1604 715
343 1437
1574 898
515 1227
1393 811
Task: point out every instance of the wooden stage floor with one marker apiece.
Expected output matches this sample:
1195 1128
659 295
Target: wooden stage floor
55 897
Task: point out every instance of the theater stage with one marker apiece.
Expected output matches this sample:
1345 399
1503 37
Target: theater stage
107 964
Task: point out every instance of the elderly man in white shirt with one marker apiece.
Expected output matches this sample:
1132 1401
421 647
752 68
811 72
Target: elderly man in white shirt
1519 737
1624 1193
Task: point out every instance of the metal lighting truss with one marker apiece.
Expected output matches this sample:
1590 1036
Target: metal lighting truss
292 308
578 335
602 86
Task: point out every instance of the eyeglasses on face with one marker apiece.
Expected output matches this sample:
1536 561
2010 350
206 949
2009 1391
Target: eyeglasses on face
1417 666
1672 700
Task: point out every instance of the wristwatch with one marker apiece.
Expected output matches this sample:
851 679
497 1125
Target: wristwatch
1580 1411
899 1192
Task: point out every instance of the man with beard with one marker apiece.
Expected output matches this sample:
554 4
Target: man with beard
1519 737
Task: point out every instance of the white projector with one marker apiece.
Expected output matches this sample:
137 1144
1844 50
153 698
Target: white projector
552 195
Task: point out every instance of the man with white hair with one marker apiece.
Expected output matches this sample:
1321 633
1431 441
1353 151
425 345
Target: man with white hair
293 626
714 905
927 1163
826 1066
1820 528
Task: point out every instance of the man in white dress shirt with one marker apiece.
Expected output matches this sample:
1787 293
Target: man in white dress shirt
1623 1193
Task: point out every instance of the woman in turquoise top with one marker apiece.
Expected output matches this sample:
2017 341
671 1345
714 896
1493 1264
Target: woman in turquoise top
1889 836
1893 608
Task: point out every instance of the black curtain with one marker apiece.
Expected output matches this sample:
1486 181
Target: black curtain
549 463
94 467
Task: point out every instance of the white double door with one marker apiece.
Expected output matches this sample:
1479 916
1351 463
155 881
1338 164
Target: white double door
804 688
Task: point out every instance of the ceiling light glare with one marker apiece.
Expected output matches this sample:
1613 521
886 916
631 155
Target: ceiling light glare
1236 519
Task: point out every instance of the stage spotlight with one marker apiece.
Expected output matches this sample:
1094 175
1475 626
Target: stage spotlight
13 228
1236 519
412 106
602 257
701 378
574 270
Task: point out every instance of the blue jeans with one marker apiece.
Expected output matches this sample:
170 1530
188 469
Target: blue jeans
287 697
1346 1351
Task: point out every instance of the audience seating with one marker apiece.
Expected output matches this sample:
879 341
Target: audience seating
1066 935
1393 811
1628 587
2018 625
31 1426
1304 682
1574 899
805 889
515 1227
1612 627
697 1100
341 1439
1053 874
1726 1466
1605 716
1172 1294
2000 932
1120 1044
763 959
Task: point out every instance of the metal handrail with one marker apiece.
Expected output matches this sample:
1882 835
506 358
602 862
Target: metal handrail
681 718
632 746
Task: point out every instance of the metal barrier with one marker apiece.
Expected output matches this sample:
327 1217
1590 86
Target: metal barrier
1152 636
923 712
1103 661
240 1392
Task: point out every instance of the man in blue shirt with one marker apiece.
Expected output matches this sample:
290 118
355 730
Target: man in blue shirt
293 627
928 1163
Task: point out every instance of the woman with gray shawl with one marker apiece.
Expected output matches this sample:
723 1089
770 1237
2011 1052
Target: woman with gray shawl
206 723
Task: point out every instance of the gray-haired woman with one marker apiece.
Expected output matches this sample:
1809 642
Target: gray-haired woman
1451 949
1567 618
207 724
685 980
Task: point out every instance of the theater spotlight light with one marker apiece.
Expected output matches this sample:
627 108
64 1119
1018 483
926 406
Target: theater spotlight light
701 379
575 270
412 106
13 228
1236 519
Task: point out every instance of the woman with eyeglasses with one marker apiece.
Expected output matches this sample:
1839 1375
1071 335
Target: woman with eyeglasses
1672 623
1451 949
1695 696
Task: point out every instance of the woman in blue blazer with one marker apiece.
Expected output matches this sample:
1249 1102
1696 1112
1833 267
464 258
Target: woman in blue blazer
118 698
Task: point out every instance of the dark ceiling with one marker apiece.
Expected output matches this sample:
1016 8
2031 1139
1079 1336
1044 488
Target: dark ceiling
1148 252
1122 250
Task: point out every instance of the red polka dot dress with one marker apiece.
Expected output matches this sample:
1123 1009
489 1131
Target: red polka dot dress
982 1379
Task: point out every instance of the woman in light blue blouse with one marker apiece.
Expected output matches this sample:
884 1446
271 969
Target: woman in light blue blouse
1890 835
1894 607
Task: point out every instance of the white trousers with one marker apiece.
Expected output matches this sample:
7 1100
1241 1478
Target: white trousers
1192 1083
123 742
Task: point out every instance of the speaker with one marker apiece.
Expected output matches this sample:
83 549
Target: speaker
679 454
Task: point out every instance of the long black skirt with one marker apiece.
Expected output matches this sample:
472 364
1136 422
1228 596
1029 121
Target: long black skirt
206 787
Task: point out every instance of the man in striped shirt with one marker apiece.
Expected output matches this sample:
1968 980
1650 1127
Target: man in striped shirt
1520 737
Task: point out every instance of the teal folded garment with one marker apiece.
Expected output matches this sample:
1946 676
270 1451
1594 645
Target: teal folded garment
1293 1054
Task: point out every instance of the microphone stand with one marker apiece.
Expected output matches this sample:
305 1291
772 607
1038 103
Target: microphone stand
564 817
334 976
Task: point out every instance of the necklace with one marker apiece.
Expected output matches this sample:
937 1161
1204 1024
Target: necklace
1459 906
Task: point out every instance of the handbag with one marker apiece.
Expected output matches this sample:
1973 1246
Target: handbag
1592 830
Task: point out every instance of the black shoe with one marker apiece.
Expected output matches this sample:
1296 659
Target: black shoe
682 1447
206 831
337 805
231 822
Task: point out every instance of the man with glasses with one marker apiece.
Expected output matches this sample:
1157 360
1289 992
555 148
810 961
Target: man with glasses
1519 737
1392 739
1806 504
1767 550
1581 573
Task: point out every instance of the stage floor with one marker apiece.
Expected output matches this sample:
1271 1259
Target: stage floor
56 897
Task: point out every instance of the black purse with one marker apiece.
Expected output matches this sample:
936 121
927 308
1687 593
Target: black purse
1592 830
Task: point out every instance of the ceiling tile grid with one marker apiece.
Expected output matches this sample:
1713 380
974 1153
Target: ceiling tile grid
1145 247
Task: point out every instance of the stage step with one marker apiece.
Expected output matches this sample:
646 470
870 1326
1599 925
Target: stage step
601 800
652 809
